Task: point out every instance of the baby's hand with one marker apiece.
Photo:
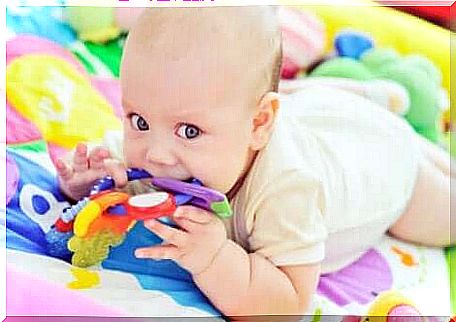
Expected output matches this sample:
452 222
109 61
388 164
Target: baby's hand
77 177
194 246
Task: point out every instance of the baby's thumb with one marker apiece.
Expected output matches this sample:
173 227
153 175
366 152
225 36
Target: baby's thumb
117 171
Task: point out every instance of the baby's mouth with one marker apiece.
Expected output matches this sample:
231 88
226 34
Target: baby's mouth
185 178
176 175
180 178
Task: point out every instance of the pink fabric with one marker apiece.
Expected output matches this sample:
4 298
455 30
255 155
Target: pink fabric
19 129
12 178
304 39
30 295
289 68
27 44
56 151
110 89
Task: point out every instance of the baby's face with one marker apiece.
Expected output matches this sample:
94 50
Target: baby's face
190 85
179 123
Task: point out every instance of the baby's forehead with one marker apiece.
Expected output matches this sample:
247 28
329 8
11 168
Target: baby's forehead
231 40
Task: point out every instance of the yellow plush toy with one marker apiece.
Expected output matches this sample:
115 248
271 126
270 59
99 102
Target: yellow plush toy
388 304
59 100
391 306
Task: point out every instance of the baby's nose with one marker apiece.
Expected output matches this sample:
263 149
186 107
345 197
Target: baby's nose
161 156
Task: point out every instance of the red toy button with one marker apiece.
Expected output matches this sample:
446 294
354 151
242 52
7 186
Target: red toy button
151 205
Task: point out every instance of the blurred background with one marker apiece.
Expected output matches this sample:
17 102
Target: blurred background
63 69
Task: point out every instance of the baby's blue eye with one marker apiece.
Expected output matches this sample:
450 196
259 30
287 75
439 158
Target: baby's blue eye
188 131
139 123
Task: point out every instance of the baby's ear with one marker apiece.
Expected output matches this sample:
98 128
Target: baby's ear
263 120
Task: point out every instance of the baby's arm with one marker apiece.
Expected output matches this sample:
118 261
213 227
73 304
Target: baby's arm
236 282
252 285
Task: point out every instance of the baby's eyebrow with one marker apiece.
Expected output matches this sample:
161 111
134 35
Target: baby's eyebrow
194 116
126 105
191 116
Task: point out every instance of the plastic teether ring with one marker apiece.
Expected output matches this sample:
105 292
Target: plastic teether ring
95 208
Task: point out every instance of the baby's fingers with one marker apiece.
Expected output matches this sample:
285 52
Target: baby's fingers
158 252
193 214
117 171
63 170
80 161
96 157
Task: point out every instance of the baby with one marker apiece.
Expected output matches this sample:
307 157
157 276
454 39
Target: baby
315 178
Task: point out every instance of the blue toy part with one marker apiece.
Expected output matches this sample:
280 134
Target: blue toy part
36 204
352 44
108 182
70 213
57 244
58 240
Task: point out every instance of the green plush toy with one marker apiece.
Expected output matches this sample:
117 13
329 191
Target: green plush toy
95 24
101 24
451 259
415 73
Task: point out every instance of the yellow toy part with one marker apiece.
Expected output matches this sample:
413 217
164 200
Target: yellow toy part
95 208
83 279
391 304
102 35
85 217
59 100
389 28
387 300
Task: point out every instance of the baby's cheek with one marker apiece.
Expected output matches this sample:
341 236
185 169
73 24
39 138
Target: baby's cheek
223 178
132 155
208 170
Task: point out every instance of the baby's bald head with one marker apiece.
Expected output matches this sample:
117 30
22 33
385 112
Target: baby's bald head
235 48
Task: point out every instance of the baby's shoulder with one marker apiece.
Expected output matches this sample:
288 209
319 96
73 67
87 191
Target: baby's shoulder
292 148
289 161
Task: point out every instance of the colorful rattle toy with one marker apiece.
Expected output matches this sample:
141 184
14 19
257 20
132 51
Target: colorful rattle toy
391 306
86 231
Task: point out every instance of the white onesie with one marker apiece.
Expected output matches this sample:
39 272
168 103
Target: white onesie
337 173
